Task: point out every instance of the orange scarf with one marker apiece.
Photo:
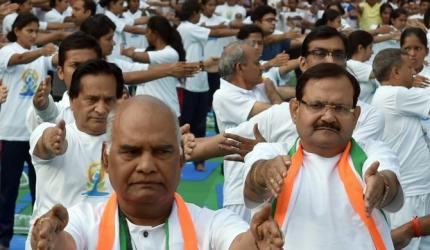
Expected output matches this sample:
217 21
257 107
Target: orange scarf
352 186
107 227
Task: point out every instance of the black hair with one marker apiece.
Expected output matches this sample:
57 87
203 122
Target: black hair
189 7
356 38
261 11
105 3
385 6
204 2
19 1
20 22
427 18
170 35
91 6
398 12
247 30
97 26
321 33
77 40
419 33
329 15
325 70
339 7
95 67
52 3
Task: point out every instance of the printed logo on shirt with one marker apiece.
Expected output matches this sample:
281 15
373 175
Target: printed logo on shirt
30 79
96 183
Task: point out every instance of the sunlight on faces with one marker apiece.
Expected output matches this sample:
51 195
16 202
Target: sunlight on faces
144 166
325 129
73 59
97 97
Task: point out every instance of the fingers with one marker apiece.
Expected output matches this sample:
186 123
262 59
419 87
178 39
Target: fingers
235 157
275 172
62 216
265 230
258 219
257 134
185 128
372 170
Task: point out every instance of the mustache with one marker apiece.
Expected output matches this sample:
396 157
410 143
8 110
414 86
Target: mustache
326 125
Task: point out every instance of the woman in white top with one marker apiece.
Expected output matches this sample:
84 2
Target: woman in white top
23 68
414 41
360 45
165 47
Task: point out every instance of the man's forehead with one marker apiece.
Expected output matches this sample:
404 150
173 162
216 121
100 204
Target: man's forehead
80 55
330 44
340 86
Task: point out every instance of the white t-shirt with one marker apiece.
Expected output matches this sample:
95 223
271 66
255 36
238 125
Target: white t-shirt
118 37
362 72
230 12
55 16
70 177
163 88
215 45
55 112
22 81
214 229
194 38
232 106
135 40
403 109
10 19
320 215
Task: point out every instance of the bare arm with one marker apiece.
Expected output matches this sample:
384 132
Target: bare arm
60 26
27 57
223 32
134 30
403 235
179 70
271 92
286 92
258 107
44 38
136 56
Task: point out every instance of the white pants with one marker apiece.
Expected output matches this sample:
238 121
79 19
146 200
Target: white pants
418 205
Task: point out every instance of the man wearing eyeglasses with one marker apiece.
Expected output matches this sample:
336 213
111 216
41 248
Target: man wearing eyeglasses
403 107
320 203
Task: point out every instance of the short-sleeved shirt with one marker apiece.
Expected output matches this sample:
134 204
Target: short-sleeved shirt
22 81
162 88
230 12
194 38
403 109
369 15
362 72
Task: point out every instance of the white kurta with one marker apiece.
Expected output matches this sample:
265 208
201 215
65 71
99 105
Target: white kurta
214 229
320 215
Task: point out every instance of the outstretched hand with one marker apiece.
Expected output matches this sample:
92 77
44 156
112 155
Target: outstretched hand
55 141
266 231
3 92
47 228
41 98
235 144
375 187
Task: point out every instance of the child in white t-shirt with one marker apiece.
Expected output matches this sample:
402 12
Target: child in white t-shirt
24 68
133 12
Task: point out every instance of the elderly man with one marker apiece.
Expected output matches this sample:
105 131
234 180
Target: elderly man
145 212
67 156
403 107
322 192
241 96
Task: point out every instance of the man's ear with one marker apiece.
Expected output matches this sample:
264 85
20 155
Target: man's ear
303 65
60 73
356 114
294 109
105 154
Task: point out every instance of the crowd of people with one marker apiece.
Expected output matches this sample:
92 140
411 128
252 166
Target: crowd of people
322 109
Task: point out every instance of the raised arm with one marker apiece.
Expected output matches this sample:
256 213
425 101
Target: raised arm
27 57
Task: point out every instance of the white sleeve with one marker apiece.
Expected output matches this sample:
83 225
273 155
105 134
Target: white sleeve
413 102
34 138
199 34
225 227
388 160
52 16
43 25
5 55
232 107
126 66
36 117
163 56
370 124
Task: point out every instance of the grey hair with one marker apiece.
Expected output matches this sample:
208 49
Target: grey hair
385 61
111 119
232 55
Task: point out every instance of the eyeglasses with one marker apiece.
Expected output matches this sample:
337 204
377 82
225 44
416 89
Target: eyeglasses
321 54
318 107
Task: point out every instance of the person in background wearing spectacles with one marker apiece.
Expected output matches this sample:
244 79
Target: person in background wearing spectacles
403 107
328 171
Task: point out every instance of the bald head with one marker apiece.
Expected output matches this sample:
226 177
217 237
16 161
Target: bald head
140 109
